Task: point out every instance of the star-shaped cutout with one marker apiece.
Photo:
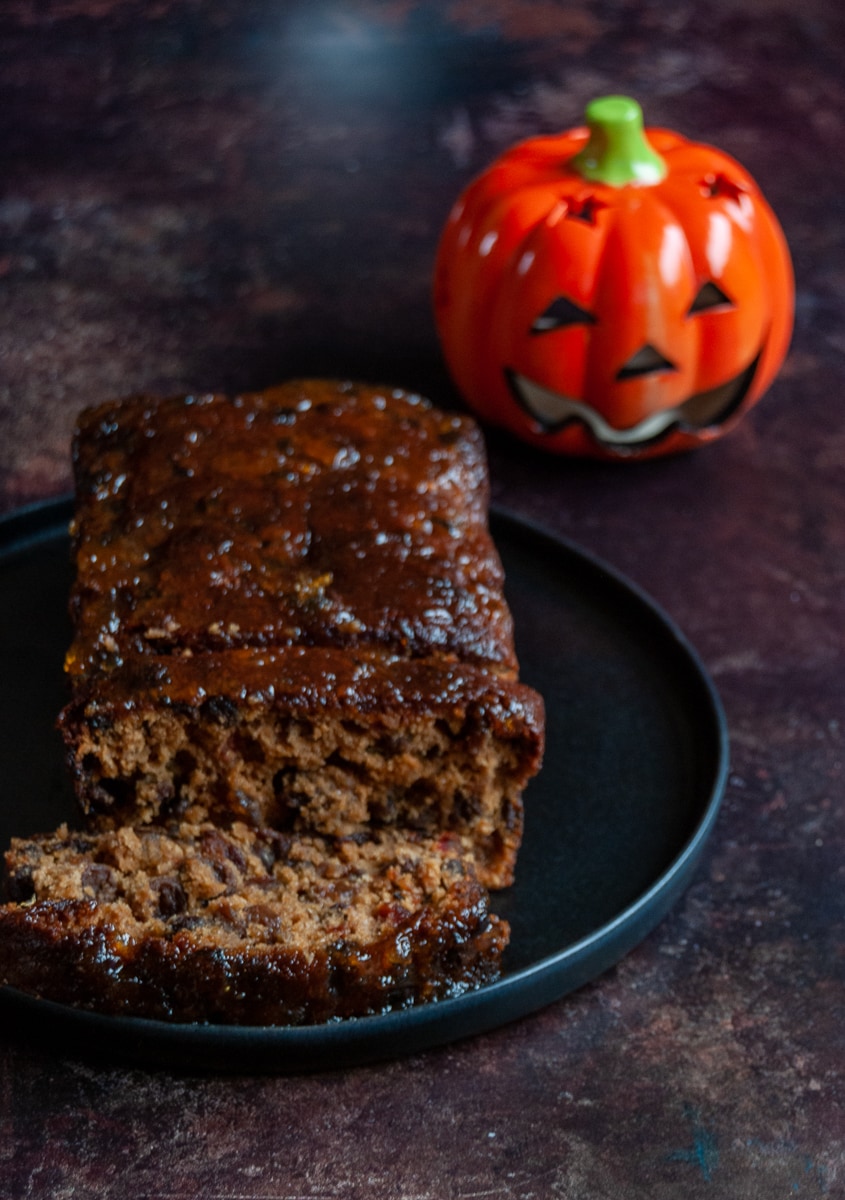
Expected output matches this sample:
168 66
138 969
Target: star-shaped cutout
723 185
584 208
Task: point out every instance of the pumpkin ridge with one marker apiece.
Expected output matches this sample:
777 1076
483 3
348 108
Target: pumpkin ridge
670 202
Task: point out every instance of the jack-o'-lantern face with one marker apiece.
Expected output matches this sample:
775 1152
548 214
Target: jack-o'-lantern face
706 409
616 322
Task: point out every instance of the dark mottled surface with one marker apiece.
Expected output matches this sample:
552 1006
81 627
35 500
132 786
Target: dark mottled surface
221 195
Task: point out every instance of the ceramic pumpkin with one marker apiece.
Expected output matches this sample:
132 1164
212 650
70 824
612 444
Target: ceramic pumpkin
613 291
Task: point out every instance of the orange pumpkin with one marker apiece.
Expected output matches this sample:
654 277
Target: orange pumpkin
613 292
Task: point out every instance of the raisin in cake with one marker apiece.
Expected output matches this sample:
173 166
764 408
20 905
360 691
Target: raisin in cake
289 612
242 925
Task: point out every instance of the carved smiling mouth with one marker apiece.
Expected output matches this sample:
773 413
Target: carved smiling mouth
703 410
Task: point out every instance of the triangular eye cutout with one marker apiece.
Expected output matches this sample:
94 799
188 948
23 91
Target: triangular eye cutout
709 296
562 312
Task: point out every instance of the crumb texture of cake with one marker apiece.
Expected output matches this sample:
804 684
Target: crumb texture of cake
196 922
312 739
288 609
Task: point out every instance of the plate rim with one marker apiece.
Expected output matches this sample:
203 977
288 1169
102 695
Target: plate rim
361 1040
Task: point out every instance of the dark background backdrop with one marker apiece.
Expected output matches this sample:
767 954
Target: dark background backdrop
218 195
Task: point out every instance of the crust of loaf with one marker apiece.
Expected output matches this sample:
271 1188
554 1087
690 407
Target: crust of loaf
315 513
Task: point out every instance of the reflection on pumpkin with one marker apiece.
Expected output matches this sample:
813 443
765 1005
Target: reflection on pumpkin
622 319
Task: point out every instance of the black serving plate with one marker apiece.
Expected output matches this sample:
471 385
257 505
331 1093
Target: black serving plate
615 823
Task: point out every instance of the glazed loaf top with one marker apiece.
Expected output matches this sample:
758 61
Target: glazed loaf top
313 514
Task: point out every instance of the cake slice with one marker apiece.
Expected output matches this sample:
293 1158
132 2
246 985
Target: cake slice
289 610
196 922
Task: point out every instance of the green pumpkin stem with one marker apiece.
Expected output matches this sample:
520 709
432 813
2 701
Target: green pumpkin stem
618 151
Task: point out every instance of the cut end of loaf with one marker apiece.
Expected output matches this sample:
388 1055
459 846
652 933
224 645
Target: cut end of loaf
335 778
426 746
